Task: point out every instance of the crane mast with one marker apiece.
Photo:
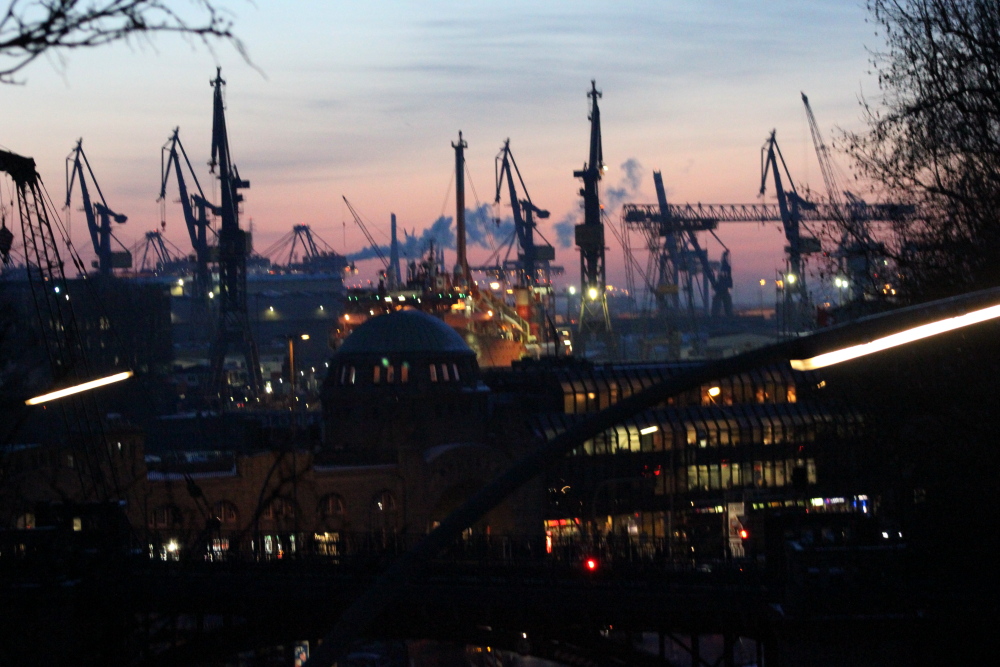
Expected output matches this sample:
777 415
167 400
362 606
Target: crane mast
234 324
594 316
61 334
77 169
462 276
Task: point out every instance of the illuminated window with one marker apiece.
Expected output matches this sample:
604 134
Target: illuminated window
384 501
454 368
352 374
164 516
377 375
390 374
404 372
343 374
444 372
279 508
226 512
331 505
434 373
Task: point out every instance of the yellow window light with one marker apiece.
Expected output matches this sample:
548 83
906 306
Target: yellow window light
76 389
894 340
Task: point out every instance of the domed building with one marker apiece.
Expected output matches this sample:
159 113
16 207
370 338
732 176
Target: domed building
405 379
404 393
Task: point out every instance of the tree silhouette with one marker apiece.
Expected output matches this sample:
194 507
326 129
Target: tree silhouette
35 27
934 140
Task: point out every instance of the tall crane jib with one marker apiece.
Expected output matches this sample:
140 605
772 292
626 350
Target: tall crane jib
796 312
532 269
861 259
99 216
196 209
594 316
234 324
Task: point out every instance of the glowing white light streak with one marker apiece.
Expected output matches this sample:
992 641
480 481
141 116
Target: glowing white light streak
896 339
86 386
648 430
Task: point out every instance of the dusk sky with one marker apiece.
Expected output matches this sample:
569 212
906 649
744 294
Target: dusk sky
364 100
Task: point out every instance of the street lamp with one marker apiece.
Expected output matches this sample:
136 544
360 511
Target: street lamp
76 389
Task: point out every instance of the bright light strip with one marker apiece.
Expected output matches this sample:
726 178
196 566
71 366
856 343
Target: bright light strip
86 386
648 430
896 339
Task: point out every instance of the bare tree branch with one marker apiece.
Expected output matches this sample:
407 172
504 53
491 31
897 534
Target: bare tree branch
934 140
31 28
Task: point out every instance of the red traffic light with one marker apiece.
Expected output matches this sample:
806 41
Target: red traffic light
590 564
744 533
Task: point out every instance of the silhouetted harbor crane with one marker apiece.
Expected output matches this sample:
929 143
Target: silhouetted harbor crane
99 216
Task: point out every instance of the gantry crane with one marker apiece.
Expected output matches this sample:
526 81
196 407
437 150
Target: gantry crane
154 255
196 209
234 324
589 236
99 216
678 264
304 250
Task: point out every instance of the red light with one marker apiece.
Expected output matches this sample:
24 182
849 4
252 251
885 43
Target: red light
744 534
590 564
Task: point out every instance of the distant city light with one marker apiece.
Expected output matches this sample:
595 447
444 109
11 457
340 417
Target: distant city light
494 285
572 290
648 430
592 293
304 336
76 389
714 391
896 339
762 282
791 278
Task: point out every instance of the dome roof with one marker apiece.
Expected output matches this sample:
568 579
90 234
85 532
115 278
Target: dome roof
404 331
